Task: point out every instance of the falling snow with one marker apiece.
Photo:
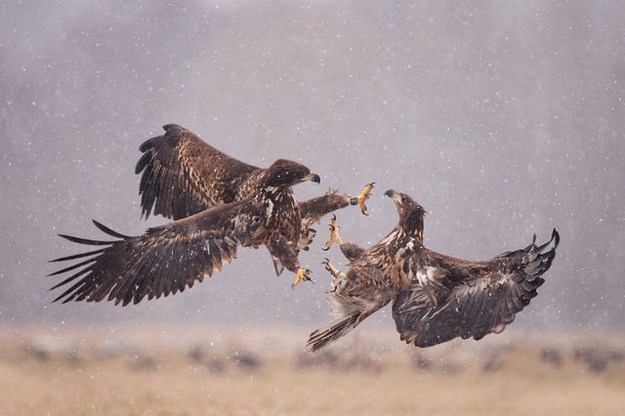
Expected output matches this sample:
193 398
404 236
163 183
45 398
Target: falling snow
502 119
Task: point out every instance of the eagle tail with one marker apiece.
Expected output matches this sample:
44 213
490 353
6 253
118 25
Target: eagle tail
277 265
321 337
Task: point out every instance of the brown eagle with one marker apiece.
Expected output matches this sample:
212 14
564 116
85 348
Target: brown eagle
255 208
182 175
435 297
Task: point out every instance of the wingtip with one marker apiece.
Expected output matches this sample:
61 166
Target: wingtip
555 236
551 244
145 214
57 299
171 127
109 231
66 236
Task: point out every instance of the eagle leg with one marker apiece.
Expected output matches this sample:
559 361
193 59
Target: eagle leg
334 234
337 274
302 275
362 197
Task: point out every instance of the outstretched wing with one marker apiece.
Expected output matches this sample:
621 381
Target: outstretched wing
182 175
164 260
451 298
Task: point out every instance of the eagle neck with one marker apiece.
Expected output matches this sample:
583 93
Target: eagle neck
277 192
413 227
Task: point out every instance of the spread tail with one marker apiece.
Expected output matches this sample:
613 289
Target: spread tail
319 338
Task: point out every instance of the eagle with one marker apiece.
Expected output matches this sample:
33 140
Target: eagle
435 297
217 204
182 175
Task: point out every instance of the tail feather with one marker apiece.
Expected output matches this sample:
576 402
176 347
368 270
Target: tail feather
321 337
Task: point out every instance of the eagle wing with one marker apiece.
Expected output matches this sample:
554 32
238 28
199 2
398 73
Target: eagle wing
164 260
450 298
182 175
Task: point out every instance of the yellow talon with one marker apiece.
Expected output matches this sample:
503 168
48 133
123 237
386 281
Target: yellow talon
364 195
338 275
302 275
334 234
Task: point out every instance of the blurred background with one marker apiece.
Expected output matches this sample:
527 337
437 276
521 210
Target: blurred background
502 118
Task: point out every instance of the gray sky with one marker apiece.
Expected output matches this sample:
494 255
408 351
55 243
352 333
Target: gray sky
502 118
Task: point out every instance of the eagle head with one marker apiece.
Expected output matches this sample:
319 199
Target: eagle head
285 173
410 213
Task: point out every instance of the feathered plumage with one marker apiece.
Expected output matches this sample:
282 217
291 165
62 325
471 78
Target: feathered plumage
182 175
435 297
169 258
218 203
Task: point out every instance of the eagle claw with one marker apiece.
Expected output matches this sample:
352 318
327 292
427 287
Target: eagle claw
338 275
334 234
302 275
362 197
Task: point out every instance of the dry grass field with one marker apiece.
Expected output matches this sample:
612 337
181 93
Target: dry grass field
192 371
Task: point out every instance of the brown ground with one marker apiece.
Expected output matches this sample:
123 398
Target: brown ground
126 371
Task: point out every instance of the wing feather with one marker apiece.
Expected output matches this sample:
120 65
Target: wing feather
165 260
181 175
475 298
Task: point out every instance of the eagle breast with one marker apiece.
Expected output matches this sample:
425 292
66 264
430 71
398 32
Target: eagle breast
283 213
397 249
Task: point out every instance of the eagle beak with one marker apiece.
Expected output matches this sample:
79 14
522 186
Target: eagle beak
395 196
313 177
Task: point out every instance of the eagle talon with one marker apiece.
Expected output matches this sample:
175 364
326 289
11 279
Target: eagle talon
337 281
334 234
330 267
302 275
362 197
338 275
